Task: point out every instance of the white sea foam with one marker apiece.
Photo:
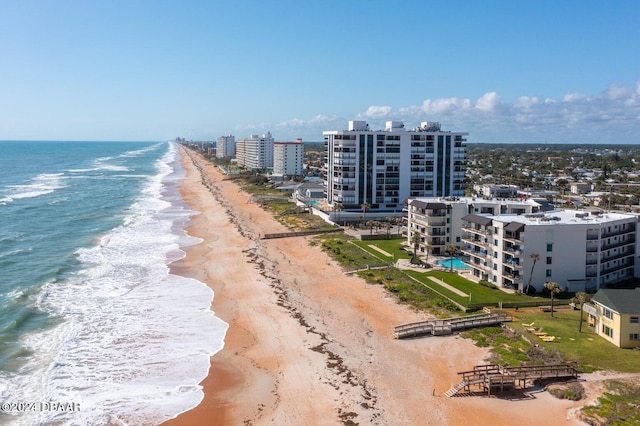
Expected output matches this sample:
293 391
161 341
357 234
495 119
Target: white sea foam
137 152
103 163
133 341
43 184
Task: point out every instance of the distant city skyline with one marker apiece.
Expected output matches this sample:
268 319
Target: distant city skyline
505 72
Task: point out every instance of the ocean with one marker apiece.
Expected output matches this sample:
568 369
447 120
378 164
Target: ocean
94 329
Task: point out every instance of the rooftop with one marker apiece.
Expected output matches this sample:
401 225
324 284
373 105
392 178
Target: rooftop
563 217
623 301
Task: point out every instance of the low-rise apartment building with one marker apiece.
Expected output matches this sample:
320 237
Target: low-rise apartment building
516 245
440 220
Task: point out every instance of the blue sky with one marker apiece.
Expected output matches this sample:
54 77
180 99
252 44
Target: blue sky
504 71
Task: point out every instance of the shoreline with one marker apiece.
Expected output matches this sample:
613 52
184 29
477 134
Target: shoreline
307 344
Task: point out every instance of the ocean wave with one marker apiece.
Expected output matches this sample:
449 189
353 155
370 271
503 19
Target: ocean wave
132 341
103 163
43 184
138 152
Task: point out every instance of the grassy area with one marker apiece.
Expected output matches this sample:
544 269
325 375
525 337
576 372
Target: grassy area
340 248
475 293
587 348
393 247
618 406
410 292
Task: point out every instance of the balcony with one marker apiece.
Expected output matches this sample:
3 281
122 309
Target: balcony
473 229
612 268
513 264
480 266
471 239
592 236
513 238
625 242
625 253
628 230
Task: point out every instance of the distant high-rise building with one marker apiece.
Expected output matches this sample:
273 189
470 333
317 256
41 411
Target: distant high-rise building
288 157
225 146
255 152
382 168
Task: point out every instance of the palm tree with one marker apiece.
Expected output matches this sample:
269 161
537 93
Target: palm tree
535 257
582 298
416 238
427 248
370 224
554 288
451 250
389 224
364 206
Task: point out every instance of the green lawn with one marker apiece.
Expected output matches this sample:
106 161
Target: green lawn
590 350
393 247
477 292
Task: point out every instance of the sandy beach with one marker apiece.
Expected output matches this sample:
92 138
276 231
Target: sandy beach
309 345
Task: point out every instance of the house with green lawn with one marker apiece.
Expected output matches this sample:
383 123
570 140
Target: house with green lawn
616 316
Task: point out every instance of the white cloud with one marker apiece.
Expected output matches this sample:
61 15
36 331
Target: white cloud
616 91
377 112
526 101
439 106
573 97
576 118
488 101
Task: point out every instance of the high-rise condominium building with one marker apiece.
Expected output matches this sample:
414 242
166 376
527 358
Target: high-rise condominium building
225 146
255 152
288 157
382 168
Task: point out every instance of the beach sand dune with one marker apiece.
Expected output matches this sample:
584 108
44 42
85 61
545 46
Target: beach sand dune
309 345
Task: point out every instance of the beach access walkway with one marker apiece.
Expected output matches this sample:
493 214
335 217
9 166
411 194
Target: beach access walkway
441 327
495 378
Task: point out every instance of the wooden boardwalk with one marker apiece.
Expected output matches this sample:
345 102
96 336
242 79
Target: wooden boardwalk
446 326
493 378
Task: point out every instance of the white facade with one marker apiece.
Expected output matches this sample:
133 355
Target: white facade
440 220
384 167
580 251
255 152
225 146
288 157
496 191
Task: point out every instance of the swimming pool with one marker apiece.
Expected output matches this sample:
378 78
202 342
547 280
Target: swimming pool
457 263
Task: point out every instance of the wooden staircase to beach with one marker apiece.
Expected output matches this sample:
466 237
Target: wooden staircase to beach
492 378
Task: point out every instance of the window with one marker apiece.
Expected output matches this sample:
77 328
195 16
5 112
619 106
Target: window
634 320
607 313
548 273
607 331
634 336
549 260
549 246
